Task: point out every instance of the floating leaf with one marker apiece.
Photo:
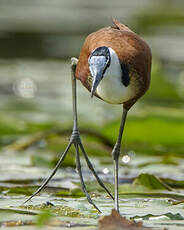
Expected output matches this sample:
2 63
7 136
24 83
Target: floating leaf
151 182
27 190
44 217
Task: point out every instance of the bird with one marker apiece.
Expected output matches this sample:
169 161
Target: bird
114 65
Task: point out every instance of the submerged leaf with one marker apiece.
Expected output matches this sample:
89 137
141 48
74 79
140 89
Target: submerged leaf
173 183
14 223
175 196
56 210
76 192
176 216
169 215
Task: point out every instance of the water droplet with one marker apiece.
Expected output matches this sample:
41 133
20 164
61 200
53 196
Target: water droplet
105 170
125 159
25 87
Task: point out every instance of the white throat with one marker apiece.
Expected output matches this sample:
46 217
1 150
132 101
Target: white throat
111 88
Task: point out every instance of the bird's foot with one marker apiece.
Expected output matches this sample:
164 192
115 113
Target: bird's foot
74 61
76 140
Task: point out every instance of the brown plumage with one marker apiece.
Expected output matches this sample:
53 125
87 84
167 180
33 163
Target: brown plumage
131 50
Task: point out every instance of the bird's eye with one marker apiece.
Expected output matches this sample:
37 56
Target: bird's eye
108 63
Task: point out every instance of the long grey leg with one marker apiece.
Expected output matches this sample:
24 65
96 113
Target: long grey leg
75 133
90 166
53 172
74 95
75 139
78 164
115 155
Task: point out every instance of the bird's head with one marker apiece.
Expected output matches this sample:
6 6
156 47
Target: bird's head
99 61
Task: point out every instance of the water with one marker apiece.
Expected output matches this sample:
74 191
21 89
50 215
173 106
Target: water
37 39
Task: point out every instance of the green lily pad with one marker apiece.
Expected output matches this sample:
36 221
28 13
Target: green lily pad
150 182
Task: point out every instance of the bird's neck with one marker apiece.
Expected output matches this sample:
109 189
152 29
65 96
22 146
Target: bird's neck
114 69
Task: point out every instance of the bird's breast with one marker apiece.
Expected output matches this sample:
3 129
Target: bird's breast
112 90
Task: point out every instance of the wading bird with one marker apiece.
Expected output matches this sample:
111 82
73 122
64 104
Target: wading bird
115 66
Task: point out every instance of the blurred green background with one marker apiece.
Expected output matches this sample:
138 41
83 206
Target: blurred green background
37 39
